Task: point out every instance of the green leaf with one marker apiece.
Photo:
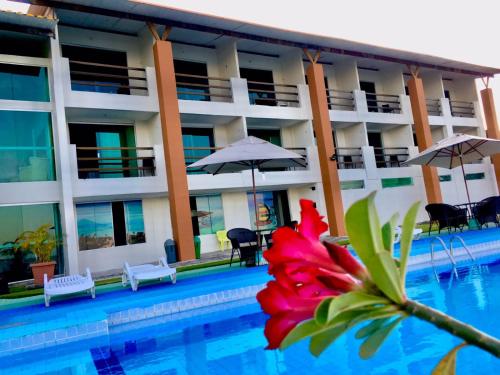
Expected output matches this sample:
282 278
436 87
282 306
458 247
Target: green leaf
321 312
353 301
448 363
363 228
388 233
407 228
300 332
370 346
371 328
321 341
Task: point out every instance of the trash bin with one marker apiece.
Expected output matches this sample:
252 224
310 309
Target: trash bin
197 247
170 250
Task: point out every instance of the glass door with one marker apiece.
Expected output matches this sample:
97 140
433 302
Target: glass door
109 154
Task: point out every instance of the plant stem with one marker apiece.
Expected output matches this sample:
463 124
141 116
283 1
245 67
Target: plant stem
457 328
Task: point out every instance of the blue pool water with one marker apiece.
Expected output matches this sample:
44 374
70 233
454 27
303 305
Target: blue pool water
228 339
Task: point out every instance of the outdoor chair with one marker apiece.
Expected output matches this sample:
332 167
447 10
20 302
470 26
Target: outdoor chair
143 272
398 230
67 285
222 239
487 211
244 243
447 216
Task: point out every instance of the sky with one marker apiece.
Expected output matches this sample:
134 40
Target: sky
458 29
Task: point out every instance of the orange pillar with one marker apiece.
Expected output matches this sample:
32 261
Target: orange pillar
424 137
178 193
324 139
490 116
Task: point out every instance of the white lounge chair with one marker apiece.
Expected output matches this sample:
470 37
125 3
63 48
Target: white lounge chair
416 234
67 285
135 274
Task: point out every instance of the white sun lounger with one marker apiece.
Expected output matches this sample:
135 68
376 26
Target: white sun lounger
67 285
143 272
416 234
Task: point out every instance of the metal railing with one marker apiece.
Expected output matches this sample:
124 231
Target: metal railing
462 108
434 107
203 88
384 103
193 154
391 157
348 158
273 94
340 100
107 162
107 78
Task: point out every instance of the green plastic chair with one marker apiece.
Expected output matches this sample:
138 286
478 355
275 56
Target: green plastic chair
223 240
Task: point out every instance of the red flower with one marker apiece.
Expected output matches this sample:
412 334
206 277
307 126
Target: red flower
306 272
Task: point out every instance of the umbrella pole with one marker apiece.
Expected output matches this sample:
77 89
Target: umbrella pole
465 180
255 205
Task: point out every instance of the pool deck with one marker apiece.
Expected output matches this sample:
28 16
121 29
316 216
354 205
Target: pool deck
34 326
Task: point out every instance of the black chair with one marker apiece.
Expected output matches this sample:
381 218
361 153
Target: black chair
244 242
487 211
447 216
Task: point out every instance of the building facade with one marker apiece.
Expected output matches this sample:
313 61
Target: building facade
88 140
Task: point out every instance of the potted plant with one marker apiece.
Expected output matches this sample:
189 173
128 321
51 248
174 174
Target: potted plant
41 242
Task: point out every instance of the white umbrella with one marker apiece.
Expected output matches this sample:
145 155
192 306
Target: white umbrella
249 153
455 151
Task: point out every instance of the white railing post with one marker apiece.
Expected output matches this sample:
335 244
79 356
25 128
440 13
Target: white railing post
239 89
360 102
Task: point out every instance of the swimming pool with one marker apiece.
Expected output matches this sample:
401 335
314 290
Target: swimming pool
228 339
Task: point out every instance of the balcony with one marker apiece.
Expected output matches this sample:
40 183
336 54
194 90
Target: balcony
117 91
391 157
434 107
203 88
383 103
348 158
340 100
462 109
117 171
273 94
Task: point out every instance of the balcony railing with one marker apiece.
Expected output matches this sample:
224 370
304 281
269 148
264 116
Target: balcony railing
384 103
391 157
107 78
348 158
434 107
115 162
340 100
273 94
203 88
461 108
193 154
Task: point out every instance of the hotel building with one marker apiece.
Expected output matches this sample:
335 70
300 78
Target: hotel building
103 104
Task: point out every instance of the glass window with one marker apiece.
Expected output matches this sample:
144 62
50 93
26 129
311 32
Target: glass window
134 222
210 214
26 148
352 184
192 81
445 177
396 182
21 82
474 176
272 209
198 143
95 225
15 265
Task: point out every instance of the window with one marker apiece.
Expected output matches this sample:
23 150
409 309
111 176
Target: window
208 215
445 178
198 143
192 81
272 209
21 82
260 86
270 135
15 265
108 224
396 182
474 176
26 148
352 184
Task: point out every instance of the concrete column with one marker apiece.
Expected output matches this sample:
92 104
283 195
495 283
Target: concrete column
324 138
424 137
63 161
178 193
490 116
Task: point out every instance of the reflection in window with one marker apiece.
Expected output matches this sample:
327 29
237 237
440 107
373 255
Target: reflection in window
272 209
26 148
208 215
198 143
15 265
102 225
21 82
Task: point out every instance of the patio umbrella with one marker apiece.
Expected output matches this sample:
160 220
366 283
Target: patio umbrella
455 151
249 153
